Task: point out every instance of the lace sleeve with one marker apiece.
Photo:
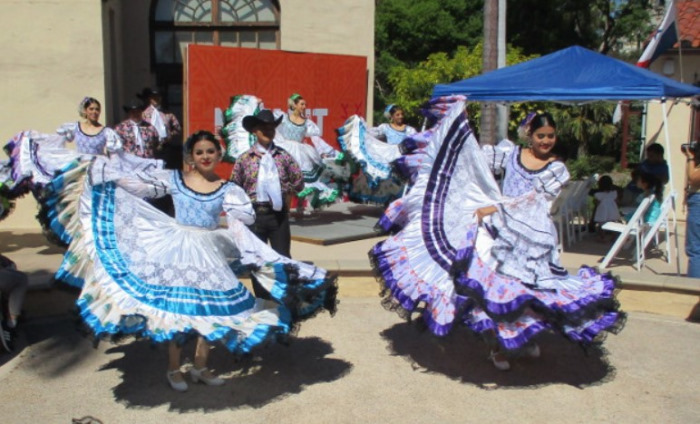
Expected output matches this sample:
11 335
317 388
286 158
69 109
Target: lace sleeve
237 206
144 178
114 141
67 130
312 130
378 132
496 155
553 180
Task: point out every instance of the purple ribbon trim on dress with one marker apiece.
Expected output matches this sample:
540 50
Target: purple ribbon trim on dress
391 283
385 224
501 309
590 332
512 343
386 270
434 235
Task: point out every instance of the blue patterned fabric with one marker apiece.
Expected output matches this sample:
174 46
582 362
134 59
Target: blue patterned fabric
196 209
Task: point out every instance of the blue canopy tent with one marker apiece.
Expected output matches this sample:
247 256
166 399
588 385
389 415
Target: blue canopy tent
574 75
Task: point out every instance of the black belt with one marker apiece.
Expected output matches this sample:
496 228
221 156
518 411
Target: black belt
264 207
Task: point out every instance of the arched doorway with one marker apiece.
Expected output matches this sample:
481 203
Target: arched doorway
233 23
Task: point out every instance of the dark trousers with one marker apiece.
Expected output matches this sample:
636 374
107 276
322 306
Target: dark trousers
273 227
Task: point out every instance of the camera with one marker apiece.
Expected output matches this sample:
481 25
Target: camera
685 147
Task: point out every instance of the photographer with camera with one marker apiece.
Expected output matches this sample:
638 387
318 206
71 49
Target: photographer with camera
692 233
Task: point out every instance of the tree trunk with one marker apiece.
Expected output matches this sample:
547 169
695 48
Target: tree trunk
488 111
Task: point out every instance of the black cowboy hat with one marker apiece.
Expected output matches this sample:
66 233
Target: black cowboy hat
265 116
132 105
147 93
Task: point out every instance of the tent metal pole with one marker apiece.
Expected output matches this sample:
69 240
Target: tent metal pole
670 183
643 137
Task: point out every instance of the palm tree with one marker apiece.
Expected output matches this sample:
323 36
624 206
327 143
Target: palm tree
582 125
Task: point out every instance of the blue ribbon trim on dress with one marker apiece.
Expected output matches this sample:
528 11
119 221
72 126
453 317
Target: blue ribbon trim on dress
69 278
51 202
367 160
181 300
228 336
283 291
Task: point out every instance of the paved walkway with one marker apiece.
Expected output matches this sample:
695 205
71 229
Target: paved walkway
364 365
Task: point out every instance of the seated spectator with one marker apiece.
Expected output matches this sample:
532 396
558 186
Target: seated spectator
654 163
13 287
649 184
606 209
630 193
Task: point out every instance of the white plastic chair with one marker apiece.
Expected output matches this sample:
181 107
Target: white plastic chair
560 214
660 225
635 227
578 206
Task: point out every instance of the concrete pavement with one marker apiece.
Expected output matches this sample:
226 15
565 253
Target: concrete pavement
364 365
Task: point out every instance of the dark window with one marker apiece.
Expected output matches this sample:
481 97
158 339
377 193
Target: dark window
232 23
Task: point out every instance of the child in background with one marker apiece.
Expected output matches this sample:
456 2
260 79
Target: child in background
649 184
606 204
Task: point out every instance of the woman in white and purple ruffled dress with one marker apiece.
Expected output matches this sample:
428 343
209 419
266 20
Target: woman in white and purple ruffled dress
487 259
36 159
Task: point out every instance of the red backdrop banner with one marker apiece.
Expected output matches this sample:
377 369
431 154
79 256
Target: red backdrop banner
334 86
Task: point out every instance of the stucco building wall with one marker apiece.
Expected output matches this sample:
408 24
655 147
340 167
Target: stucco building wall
336 27
679 116
55 52
52 57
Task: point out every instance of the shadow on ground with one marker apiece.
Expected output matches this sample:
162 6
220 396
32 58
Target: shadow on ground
273 373
58 347
694 315
50 321
12 241
463 356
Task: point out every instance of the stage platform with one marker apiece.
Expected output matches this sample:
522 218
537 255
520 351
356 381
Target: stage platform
338 223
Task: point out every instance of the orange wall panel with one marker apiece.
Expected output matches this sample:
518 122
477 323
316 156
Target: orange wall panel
337 83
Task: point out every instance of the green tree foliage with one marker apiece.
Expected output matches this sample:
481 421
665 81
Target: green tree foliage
579 127
408 31
420 43
413 85
544 26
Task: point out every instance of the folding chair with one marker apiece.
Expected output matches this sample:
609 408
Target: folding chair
660 225
578 205
633 228
560 214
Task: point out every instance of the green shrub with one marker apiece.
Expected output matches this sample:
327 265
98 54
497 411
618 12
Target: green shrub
586 166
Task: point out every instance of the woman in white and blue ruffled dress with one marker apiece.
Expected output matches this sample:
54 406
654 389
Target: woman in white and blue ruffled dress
466 253
375 150
36 159
147 274
396 130
323 166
